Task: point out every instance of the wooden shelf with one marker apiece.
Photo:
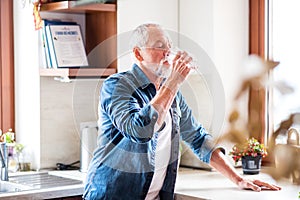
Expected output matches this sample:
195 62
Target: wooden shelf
78 72
70 6
100 24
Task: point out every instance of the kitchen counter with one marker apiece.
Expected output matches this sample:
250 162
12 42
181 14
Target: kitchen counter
192 184
213 185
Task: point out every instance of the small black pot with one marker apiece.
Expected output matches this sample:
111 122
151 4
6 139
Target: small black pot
251 165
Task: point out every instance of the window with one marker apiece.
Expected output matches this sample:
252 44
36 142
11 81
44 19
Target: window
284 46
274 35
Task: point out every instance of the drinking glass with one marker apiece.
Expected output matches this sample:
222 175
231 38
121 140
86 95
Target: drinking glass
172 54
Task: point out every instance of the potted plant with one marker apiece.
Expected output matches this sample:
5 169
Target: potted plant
251 153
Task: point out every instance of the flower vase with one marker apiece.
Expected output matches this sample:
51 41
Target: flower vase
23 163
251 165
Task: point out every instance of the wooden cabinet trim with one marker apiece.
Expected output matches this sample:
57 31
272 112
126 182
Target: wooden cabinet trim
7 108
68 6
257 97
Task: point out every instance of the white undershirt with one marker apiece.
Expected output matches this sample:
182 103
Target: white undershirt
162 158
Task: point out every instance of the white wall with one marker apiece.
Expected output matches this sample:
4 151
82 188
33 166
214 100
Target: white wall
231 41
221 29
63 107
196 22
27 88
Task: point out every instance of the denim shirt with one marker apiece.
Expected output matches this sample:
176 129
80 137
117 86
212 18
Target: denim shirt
123 163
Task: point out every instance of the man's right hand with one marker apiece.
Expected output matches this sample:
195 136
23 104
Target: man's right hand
179 72
166 94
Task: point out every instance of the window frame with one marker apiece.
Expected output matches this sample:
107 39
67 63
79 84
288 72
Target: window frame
257 45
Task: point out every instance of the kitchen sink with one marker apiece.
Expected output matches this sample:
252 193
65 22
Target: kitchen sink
35 181
41 185
43 180
6 186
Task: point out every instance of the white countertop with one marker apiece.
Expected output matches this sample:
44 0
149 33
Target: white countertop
213 185
191 182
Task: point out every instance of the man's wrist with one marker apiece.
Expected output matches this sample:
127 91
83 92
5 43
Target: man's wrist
238 180
172 86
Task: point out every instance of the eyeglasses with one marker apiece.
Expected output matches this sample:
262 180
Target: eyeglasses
160 45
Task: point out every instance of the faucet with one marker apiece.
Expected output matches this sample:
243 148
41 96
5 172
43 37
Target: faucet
4 161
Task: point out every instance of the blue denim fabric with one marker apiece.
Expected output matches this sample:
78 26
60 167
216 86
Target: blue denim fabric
123 162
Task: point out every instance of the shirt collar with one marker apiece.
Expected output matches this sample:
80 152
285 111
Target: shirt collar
140 76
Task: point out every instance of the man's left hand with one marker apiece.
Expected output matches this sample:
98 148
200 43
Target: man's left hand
257 185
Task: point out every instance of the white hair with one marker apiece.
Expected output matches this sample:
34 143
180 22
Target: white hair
140 35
